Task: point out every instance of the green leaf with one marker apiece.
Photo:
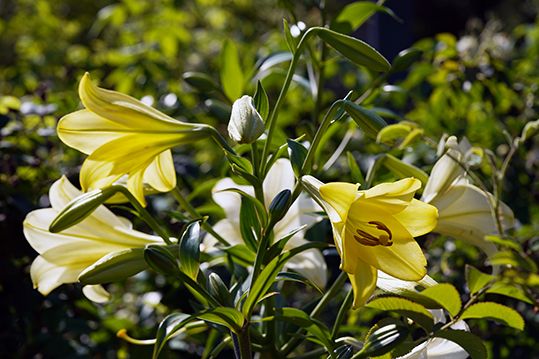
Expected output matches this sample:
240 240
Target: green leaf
189 250
446 295
249 223
81 207
504 242
514 259
231 74
291 42
261 101
383 339
468 341
355 50
262 284
200 81
296 277
241 252
354 15
161 260
414 311
114 267
355 171
278 246
219 290
302 319
297 153
167 328
366 119
511 290
494 311
476 279
405 59
228 317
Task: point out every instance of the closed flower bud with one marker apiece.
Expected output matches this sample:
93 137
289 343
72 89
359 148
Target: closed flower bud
246 124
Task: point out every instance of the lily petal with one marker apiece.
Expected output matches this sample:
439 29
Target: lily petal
363 283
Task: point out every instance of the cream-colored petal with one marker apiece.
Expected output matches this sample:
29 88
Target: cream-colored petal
363 282
47 276
418 217
227 229
161 174
85 131
230 201
391 284
279 177
340 196
311 265
443 174
96 293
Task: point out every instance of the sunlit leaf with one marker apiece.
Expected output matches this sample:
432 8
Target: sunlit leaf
494 311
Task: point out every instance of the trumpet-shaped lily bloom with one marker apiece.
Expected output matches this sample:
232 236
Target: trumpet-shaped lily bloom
309 263
439 348
123 136
465 210
375 229
63 256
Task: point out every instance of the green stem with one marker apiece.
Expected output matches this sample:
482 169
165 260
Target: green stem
184 203
242 345
345 307
330 294
272 119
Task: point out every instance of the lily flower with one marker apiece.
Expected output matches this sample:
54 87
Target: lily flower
63 256
439 348
465 210
123 136
309 263
374 230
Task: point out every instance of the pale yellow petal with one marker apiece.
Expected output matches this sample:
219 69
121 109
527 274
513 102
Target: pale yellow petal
123 109
419 218
85 131
340 196
363 282
392 197
161 174
96 293
311 265
136 186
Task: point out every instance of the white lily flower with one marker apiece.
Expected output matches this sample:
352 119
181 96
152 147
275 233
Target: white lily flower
63 256
465 210
309 263
439 348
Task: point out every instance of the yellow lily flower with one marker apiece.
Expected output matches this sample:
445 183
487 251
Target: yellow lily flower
375 229
63 256
466 211
123 136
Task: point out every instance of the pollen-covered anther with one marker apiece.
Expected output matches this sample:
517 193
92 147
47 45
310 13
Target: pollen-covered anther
368 239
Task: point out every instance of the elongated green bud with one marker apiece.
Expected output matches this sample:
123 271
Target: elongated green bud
80 208
114 266
161 260
367 120
246 124
279 205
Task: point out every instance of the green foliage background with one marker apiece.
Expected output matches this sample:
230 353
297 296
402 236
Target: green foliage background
484 85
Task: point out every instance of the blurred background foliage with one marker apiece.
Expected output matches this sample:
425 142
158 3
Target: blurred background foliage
476 76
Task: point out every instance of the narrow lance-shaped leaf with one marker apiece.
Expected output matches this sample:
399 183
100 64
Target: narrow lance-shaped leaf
355 171
297 153
228 317
167 328
261 101
189 250
231 74
366 119
354 50
161 260
403 169
383 339
200 81
354 15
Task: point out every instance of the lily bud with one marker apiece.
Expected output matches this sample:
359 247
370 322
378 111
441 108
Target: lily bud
246 124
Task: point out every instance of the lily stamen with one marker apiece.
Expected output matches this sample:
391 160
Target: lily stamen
368 239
